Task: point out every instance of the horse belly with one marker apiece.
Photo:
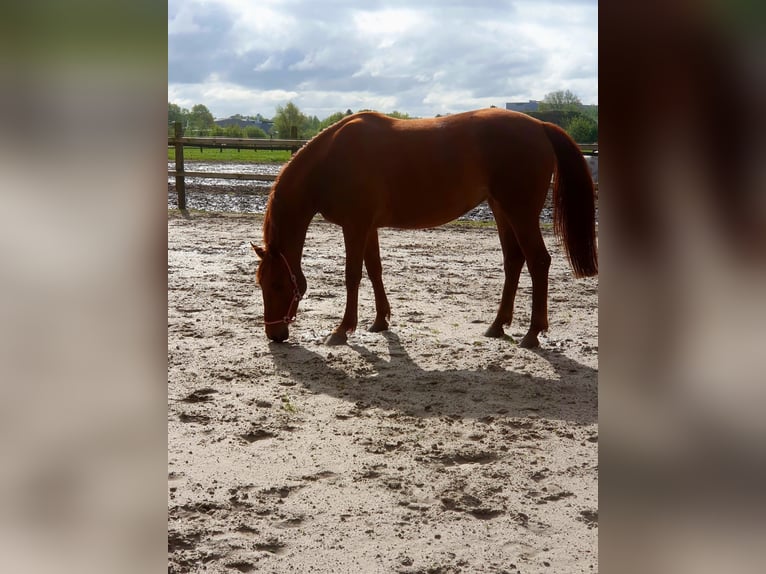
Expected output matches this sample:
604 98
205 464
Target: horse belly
420 208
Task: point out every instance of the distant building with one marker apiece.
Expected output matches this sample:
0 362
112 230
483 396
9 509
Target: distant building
530 106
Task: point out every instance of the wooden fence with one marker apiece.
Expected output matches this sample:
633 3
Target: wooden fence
178 141
292 145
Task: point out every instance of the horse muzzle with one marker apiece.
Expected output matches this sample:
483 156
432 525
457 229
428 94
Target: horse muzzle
277 333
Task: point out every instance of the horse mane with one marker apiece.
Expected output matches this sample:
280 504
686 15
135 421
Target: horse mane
268 220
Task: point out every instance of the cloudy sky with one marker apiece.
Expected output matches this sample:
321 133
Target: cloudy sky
422 57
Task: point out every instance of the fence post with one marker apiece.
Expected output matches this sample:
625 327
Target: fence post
180 178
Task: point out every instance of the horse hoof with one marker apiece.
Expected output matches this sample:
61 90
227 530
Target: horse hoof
378 327
494 332
529 342
336 339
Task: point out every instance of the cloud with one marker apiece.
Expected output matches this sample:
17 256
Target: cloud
422 58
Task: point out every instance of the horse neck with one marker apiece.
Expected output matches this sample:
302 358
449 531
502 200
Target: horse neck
287 221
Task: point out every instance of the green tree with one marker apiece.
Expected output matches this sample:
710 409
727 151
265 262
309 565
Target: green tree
234 131
583 129
254 132
560 100
591 112
313 126
559 117
331 119
176 113
200 119
287 117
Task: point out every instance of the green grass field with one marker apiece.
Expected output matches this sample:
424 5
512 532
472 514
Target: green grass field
244 156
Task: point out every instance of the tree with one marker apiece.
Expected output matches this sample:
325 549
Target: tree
176 113
331 119
583 129
287 117
560 100
234 131
559 117
254 132
591 112
313 126
200 119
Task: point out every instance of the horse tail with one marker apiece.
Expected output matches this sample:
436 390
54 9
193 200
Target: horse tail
574 203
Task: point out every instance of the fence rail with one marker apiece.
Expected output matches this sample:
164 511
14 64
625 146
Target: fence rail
178 141
224 175
234 143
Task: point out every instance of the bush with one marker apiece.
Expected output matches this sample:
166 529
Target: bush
254 132
234 131
582 129
561 118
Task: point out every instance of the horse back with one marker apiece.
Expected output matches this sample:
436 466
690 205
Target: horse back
422 173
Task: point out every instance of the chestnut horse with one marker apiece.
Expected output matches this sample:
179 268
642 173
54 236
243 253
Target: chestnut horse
369 171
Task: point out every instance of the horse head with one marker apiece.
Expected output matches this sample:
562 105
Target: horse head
282 288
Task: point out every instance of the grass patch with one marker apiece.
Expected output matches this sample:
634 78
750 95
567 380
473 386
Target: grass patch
287 405
232 155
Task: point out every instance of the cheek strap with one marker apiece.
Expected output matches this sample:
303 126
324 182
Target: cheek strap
290 316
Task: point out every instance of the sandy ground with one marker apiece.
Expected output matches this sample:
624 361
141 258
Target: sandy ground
426 449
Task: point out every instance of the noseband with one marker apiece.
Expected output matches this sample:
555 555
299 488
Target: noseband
290 317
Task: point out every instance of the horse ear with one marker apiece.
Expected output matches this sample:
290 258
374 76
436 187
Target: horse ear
259 251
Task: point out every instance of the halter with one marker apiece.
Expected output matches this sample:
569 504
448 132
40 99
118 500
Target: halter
290 317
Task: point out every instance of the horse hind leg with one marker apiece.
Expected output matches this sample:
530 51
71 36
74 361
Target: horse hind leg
538 263
521 214
375 273
513 261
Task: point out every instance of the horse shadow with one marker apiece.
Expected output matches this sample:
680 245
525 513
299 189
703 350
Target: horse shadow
395 382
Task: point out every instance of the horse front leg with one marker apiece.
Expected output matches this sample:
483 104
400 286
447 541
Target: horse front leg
513 261
375 273
512 264
355 249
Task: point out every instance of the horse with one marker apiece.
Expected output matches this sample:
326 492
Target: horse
370 171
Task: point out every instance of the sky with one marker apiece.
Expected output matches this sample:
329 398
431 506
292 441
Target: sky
422 58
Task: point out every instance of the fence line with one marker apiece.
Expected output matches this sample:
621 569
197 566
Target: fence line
234 143
179 141
223 175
